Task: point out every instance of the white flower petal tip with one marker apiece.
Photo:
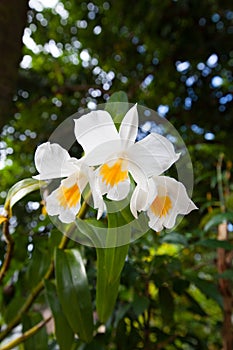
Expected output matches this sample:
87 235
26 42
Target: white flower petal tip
142 197
36 177
129 126
172 200
191 207
52 161
153 155
100 213
92 128
177 156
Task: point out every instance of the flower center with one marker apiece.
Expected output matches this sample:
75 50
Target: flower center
114 174
69 196
161 205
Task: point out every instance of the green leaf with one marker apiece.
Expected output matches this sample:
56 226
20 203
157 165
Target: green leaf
20 190
73 292
215 243
209 215
110 262
166 302
120 313
140 304
39 341
13 307
37 265
117 106
195 307
208 288
218 219
119 96
175 238
63 331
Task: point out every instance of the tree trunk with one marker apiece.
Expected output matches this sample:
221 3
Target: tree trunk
13 17
224 260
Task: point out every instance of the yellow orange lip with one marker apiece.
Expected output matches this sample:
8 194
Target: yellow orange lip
161 205
114 174
69 196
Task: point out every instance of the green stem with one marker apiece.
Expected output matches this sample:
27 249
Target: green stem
9 250
29 333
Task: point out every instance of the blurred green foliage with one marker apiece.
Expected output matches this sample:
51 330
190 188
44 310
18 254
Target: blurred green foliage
175 57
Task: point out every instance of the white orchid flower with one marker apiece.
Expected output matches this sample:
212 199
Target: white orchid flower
170 200
52 162
118 154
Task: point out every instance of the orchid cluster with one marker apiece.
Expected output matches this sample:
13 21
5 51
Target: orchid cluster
112 160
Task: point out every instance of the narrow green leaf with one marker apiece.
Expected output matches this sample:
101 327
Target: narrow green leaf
195 307
218 219
37 266
215 243
175 238
208 288
38 341
73 292
120 313
64 333
20 190
107 283
13 307
110 262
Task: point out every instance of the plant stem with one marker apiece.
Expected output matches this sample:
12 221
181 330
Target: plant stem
225 287
30 332
9 250
224 260
219 181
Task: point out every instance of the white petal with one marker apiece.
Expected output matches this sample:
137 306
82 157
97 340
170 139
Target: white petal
129 126
96 193
180 202
107 151
52 161
53 207
154 154
119 191
138 175
155 223
62 207
93 129
141 198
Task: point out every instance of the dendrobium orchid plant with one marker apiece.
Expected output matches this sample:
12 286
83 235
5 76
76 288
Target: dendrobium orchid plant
112 160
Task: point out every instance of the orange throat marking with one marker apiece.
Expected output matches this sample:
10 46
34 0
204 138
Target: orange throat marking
161 205
69 196
114 174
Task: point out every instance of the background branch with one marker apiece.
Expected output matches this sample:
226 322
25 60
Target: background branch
9 250
26 335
